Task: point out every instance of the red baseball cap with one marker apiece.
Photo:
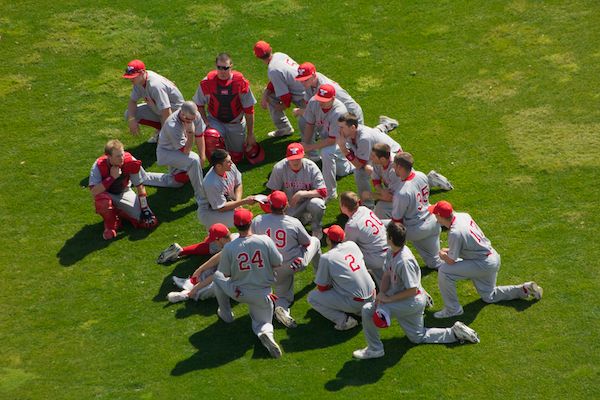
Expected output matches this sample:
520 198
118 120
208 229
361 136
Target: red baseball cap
295 151
325 93
381 318
261 48
242 217
441 208
278 199
335 233
134 68
305 71
217 231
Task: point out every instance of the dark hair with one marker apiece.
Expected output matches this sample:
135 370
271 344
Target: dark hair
381 150
224 57
218 156
404 160
278 211
349 118
396 232
350 200
243 228
266 55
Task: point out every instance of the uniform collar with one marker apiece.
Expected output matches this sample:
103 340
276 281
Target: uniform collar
410 176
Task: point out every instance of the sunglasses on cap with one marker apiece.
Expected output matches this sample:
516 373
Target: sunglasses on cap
223 68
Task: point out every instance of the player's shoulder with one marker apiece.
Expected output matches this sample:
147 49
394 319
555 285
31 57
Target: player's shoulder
280 165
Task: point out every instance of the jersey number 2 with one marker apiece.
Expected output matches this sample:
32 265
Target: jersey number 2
352 263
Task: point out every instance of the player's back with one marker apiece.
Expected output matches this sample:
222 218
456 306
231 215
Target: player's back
412 199
247 260
282 72
466 239
367 136
285 231
366 230
347 270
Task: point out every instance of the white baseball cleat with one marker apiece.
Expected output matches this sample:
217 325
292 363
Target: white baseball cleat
280 133
533 289
171 253
428 300
284 317
226 317
438 180
176 297
445 313
349 323
389 123
464 334
154 137
267 340
366 353
183 283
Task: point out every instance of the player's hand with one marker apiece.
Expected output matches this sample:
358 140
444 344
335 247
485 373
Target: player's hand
250 200
115 171
148 219
134 127
386 195
298 112
307 146
341 142
296 198
382 298
296 264
369 169
250 141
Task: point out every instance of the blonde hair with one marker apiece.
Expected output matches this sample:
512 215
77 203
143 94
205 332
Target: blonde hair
111 145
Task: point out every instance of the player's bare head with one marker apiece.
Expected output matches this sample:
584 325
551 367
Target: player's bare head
223 59
380 150
220 157
404 160
349 201
396 234
189 109
111 146
349 119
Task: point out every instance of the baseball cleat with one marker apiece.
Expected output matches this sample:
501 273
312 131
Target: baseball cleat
438 180
281 133
348 323
389 123
284 317
366 353
183 283
226 317
176 297
267 340
533 289
464 334
154 137
171 253
428 300
446 313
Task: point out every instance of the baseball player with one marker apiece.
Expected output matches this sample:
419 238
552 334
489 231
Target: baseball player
230 103
199 286
409 207
282 89
385 181
245 273
470 255
343 282
181 130
110 182
297 248
161 99
303 184
367 231
356 141
402 296
322 112
222 191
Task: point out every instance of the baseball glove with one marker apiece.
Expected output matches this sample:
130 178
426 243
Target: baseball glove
148 219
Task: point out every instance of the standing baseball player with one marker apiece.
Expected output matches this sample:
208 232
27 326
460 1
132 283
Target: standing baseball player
409 207
282 89
161 98
222 191
296 246
343 282
303 184
356 141
367 231
230 103
322 112
110 182
245 274
402 296
470 255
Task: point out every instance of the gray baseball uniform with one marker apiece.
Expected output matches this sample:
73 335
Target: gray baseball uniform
410 203
387 178
476 260
334 163
343 269
218 190
368 232
404 273
245 274
309 177
340 93
292 241
282 71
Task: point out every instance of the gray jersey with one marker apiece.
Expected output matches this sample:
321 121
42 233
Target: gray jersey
249 261
411 200
309 177
368 232
218 190
386 177
172 134
466 240
325 122
404 271
365 139
282 73
287 233
343 267
158 92
340 94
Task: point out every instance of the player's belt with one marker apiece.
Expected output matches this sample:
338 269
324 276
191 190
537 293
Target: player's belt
363 300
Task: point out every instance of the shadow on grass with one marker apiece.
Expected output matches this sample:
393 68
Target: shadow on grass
183 269
215 347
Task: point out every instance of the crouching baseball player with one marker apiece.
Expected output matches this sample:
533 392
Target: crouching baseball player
296 246
110 182
401 296
245 274
343 282
470 255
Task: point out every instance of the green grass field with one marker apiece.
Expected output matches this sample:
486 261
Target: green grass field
500 96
